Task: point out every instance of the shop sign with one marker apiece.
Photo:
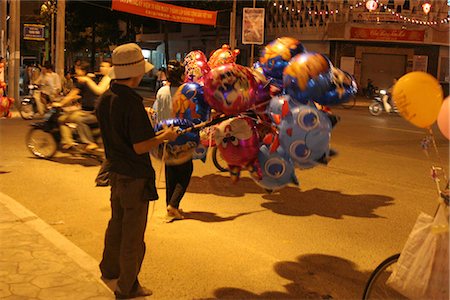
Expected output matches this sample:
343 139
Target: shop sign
34 32
387 34
168 12
253 26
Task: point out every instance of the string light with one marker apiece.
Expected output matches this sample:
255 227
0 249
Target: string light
362 4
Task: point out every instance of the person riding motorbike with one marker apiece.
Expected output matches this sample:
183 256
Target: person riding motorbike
387 97
50 87
81 100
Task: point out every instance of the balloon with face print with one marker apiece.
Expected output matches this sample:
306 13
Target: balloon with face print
276 56
181 150
307 77
305 134
230 89
277 168
223 56
237 140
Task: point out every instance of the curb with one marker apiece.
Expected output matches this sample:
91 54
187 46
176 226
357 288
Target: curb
81 258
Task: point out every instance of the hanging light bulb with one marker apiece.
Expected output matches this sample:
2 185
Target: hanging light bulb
426 7
371 5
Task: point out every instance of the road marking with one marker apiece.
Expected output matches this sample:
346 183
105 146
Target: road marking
402 130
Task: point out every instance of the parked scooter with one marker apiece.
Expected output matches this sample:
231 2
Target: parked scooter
28 105
377 106
44 138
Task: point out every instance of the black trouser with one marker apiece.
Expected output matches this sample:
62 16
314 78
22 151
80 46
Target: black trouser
177 181
124 239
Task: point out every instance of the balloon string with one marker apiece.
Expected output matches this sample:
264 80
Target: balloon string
430 130
163 163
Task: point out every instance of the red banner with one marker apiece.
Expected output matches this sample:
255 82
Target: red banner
168 12
387 34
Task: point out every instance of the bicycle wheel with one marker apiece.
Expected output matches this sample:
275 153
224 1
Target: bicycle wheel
218 160
350 103
376 287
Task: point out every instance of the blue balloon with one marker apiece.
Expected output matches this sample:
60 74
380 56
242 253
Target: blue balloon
305 134
276 55
181 150
343 87
200 153
307 77
274 109
193 92
277 169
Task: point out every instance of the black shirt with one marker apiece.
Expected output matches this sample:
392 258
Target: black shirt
124 122
87 95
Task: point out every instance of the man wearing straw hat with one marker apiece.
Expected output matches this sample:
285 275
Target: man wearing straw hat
128 137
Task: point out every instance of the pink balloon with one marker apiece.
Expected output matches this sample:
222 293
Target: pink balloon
237 140
443 118
195 71
230 89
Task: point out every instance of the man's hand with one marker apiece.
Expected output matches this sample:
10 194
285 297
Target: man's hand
171 133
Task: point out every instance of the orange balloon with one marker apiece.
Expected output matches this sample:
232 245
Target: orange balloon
418 97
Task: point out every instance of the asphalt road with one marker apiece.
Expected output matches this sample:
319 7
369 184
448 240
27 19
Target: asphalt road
318 241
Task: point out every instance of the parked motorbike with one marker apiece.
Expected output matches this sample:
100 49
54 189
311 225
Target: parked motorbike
28 107
44 138
377 106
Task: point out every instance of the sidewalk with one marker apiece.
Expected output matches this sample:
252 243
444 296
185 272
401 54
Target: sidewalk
37 262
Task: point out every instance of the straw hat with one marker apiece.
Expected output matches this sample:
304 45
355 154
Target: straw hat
128 62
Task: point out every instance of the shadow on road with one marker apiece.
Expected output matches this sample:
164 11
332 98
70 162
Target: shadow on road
222 186
70 160
210 217
313 276
332 204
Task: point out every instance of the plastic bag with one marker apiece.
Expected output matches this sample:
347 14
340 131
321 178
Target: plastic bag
422 270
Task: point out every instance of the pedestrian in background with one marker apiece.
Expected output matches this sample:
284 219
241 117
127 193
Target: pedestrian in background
177 176
128 136
161 78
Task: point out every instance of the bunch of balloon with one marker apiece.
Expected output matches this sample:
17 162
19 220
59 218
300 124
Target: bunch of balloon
418 97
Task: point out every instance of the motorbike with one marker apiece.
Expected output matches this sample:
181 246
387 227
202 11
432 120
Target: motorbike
28 106
377 106
44 138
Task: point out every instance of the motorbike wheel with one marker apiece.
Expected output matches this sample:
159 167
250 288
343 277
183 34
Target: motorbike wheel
41 143
375 109
218 160
26 110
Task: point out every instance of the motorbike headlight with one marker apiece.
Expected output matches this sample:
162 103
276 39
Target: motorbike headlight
383 92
